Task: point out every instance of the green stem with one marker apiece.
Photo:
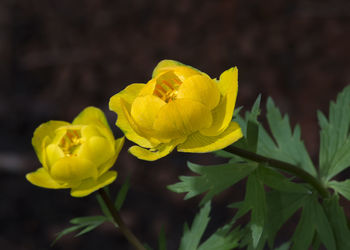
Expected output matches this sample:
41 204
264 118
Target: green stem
117 219
302 174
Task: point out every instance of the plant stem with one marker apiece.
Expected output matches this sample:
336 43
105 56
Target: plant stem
298 172
117 219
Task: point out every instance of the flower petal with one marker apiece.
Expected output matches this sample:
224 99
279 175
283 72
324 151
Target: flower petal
73 170
90 115
229 82
222 115
90 185
118 147
198 143
121 104
97 149
145 109
41 178
45 130
53 153
157 153
165 65
201 89
180 118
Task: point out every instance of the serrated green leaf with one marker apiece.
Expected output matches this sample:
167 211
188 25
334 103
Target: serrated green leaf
313 219
66 231
162 240
191 237
88 228
119 201
88 220
341 187
222 239
338 221
335 137
280 207
288 145
213 179
277 181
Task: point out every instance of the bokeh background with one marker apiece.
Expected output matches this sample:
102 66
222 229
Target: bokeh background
60 56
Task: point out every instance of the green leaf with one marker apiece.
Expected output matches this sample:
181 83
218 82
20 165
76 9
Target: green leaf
66 231
280 207
335 137
89 228
313 218
191 237
222 239
88 220
288 145
119 201
284 246
213 179
341 187
162 240
338 221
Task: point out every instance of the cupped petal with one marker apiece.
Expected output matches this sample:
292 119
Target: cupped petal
165 65
73 169
53 153
144 110
201 89
229 82
180 118
198 143
222 115
156 153
90 185
45 130
97 149
90 115
121 104
107 165
42 178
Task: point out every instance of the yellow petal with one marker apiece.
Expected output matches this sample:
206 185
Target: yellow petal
201 89
157 153
90 115
118 147
145 109
90 185
97 149
229 82
165 65
73 170
53 153
41 178
180 118
198 143
121 104
222 115
45 130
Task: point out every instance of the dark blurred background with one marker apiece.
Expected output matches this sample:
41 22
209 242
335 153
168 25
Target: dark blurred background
60 56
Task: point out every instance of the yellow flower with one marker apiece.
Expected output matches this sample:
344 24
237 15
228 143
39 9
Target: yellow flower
76 155
179 107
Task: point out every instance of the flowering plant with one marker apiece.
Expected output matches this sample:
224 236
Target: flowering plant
182 107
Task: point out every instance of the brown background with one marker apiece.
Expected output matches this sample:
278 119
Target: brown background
60 56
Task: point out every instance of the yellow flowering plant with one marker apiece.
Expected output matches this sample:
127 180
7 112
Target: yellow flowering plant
179 107
76 155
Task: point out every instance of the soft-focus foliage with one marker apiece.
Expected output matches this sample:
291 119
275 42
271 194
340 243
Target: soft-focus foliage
179 107
76 155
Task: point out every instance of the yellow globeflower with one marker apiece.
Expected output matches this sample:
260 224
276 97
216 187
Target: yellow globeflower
76 155
179 107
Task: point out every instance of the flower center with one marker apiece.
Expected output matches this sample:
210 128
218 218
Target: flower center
70 142
167 87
